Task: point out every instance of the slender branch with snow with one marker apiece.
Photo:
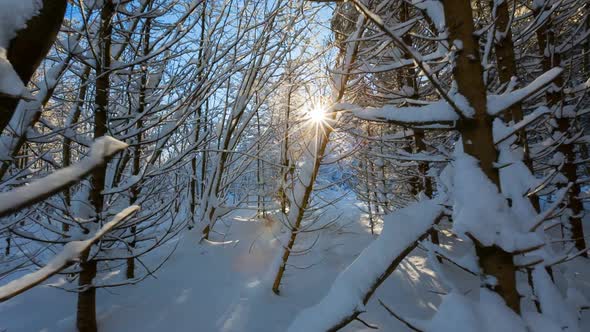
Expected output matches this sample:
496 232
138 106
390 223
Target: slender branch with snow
103 148
67 256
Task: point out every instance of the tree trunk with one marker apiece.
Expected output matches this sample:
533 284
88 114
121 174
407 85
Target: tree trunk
285 162
348 56
86 309
552 58
67 143
260 196
136 190
424 183
86 315
506 64
477 136
504 48
301 207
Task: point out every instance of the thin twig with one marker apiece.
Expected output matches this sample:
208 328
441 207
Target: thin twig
408 324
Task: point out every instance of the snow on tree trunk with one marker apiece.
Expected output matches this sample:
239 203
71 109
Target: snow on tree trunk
86 308
477 137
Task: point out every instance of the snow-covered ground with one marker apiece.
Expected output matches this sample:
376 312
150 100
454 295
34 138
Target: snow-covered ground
225 286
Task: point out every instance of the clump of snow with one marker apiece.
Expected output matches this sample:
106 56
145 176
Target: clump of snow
14 15
553 305
10 83
490 313
463 104
401 230
503 132
516 179
105 146
540 323
498 103
434 10
439 111
481 211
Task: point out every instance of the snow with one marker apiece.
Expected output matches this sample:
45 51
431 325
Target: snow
434 10
221 287
502 134
223 284
553 305
69 254
516 179
102 148
498 103
401 230
422 156
539 323
14 15
462 103
488 314
10 83
481 211
439 111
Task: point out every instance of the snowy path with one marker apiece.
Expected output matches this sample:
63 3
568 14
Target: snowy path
224 286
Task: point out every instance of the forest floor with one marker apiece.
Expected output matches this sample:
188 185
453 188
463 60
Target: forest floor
225 285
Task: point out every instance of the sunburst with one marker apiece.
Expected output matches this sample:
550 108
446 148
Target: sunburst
317 115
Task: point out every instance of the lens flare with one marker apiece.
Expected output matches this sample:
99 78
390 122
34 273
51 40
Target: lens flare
317 114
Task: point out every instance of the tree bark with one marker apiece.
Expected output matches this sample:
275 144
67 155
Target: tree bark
67 143
136 189
285 162
424 183
551 58
506 66
86 315
476 134
86 308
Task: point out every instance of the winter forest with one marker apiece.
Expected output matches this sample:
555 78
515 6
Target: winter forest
294 165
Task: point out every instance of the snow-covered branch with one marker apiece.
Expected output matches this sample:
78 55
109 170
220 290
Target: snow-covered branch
69 254
439 112
354 286
14 200
499 103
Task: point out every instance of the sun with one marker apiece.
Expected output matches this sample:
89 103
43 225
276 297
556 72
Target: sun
318 117
317 114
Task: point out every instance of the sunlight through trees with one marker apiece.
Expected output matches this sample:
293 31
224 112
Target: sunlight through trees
305 165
